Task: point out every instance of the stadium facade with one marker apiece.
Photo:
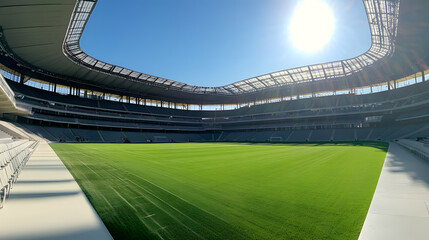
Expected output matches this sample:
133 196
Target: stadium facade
62 94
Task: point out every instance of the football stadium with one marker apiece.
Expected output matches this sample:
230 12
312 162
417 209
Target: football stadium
93 150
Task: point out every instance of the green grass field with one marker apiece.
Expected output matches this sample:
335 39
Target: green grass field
228 190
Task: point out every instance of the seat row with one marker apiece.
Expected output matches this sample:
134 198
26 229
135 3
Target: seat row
13 157
5 147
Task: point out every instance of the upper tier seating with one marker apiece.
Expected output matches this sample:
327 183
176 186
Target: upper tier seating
304 107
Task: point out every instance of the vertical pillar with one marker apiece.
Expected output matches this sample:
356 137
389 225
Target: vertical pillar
423 76
21 79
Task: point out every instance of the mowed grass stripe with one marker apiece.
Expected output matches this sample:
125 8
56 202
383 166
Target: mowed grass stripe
227 190
129 188
156 229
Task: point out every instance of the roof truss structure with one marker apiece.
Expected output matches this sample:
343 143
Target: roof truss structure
383 23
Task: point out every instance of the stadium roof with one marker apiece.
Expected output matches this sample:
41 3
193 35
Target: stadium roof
383 26
43 36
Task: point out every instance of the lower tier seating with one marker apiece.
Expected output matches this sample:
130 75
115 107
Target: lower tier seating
76 134
13 156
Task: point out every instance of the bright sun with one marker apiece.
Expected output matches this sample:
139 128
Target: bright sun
312 25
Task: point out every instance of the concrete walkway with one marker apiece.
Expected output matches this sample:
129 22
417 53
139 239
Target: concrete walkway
400 207
47 203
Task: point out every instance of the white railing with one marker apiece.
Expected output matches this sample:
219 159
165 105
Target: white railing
416 147
13 156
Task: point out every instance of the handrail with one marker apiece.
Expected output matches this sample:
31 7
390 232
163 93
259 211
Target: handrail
6 89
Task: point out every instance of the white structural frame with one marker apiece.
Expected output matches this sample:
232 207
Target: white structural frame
382 19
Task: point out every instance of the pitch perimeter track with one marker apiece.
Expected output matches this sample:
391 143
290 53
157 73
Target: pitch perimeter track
400 206
47 203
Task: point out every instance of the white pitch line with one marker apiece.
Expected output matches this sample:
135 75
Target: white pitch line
126 201
176 196
166 211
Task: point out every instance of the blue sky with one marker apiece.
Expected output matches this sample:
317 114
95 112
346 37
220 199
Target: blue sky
214 42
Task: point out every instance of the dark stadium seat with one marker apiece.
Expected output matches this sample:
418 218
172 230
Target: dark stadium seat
340 113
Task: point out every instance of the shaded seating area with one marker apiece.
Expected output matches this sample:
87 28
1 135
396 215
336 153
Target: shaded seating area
13 156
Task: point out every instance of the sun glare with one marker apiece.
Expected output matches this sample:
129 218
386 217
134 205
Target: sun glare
312 25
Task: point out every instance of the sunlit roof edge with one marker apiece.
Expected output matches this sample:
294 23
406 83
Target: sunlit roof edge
383 22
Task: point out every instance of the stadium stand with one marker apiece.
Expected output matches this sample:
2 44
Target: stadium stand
136 137
4 135
345 135
322 135
300 136
14 154
332 118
